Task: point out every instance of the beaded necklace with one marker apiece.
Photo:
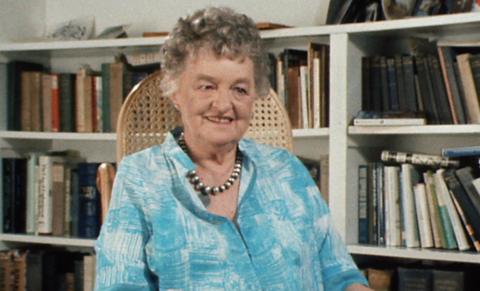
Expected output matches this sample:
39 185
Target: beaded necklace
205 190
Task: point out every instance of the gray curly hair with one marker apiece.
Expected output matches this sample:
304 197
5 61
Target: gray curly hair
222 30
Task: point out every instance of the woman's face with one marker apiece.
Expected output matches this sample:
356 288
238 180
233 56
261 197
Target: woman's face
215 97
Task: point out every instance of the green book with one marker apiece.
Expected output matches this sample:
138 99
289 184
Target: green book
107 127
66 85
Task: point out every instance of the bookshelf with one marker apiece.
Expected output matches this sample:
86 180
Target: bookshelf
351 146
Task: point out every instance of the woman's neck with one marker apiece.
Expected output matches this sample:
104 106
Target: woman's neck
207 155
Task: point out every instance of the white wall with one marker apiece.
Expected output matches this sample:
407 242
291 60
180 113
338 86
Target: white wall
21 19
158 15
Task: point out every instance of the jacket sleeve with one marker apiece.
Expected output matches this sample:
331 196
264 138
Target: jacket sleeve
120 249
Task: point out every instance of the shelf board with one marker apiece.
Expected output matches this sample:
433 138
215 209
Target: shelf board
26 135
81 44
49 240
310 132
436 24
416 254
423 129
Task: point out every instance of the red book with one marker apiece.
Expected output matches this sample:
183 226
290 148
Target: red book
55 104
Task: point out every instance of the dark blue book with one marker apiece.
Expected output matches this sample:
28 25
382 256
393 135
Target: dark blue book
394 103
89 199
74 203
14 194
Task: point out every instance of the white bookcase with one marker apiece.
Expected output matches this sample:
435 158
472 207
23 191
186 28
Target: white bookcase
347 146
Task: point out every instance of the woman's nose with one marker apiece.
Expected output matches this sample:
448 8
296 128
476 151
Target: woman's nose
222 100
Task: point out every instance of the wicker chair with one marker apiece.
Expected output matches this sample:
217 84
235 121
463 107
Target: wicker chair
146 116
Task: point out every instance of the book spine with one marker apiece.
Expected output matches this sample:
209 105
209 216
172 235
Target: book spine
316 92
36 101
408 77
471 101
461 152
380 206
409 178
55 104
465 178
89 216
423 217
67 191
32 186
3 96
440 98
458 230
26 101
58 198
107 126
116 92
394 103
440 188
47 102
363 204
98 104
453 92
67 102
435 219
8 194
304 96
44 199
392 207
384 83
466 224
417 159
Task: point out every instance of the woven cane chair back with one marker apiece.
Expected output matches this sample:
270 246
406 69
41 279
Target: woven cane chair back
146 116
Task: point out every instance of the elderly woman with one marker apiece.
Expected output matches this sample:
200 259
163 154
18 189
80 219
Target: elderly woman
208 209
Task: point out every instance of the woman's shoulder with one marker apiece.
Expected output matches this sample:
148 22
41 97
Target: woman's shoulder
145 159
264 152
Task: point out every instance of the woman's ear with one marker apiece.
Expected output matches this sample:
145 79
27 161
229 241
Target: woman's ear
174 99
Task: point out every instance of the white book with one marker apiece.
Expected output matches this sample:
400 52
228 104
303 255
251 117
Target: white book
44 201
280 82
304 76
89 265
98 103
316 93
435 219
32 188
423 216
476 184
388 121
392 207
409 177
3 96
459 232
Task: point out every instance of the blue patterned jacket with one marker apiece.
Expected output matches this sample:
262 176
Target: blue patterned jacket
158 235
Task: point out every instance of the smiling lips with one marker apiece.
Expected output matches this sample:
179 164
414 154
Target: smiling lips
219 119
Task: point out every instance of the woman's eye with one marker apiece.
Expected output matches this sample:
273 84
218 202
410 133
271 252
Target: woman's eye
206 87
241 91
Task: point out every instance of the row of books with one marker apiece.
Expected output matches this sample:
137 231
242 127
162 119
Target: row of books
418 279
444 87
85 101
301 79
50 194
46 270
410 200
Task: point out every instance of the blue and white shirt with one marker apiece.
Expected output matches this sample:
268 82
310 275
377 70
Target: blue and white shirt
158 235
